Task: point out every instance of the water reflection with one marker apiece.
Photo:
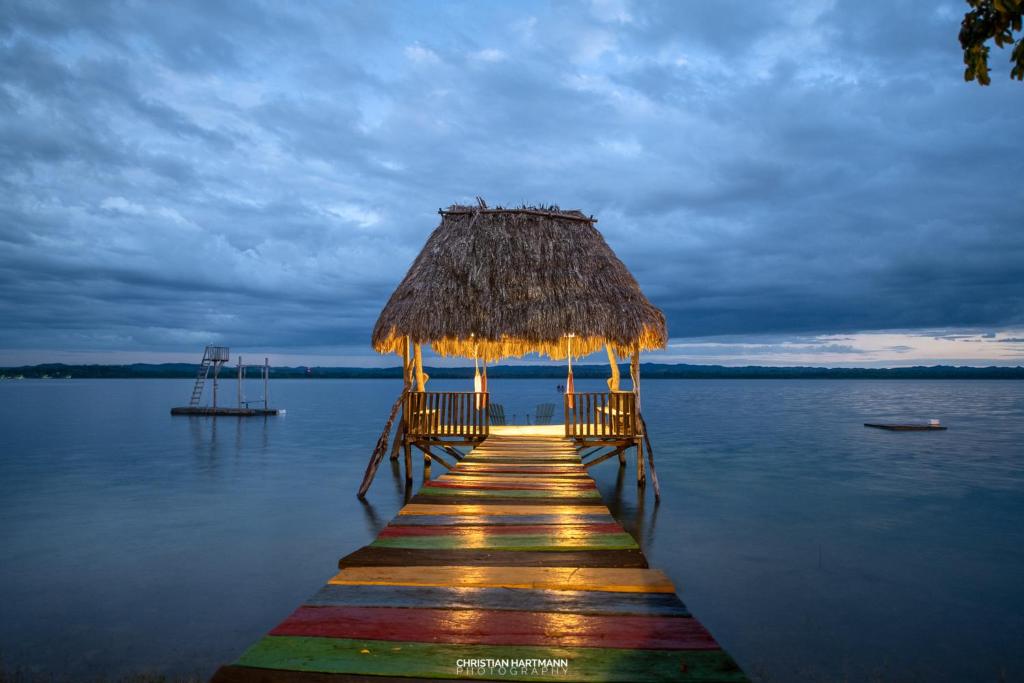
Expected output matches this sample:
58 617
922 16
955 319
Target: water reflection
626 501
374 521
799 535
211 439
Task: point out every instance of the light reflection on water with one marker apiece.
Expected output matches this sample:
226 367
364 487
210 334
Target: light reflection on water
812 547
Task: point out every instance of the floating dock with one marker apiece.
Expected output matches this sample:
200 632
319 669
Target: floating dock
222 410
905 427
214 358
507 567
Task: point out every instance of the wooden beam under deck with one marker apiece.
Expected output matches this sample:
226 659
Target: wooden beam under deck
511 555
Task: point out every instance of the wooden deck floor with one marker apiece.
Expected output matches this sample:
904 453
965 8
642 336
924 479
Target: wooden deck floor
510 556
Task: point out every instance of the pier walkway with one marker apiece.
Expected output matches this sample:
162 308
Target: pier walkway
510 556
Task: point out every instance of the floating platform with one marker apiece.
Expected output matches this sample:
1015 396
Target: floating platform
507 567
908 427
230 412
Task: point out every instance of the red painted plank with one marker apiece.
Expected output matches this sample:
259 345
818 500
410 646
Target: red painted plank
525 529
485 627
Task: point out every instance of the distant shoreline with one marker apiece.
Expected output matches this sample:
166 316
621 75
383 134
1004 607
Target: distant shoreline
595 371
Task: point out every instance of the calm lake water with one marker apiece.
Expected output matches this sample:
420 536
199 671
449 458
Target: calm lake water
814 549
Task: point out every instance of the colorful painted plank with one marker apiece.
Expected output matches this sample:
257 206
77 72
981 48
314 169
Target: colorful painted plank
458 477
537 542
567 530
576 602
479 482
486 627
549 578
509 493
510 555
540 470
369 556
496 509
430 660
248 674
498 520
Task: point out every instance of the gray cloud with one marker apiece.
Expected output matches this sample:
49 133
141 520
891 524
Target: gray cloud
264 174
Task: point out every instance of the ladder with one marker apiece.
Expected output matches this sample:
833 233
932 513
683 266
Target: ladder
204 372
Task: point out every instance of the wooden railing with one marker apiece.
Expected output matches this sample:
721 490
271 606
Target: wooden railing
601 414
446 413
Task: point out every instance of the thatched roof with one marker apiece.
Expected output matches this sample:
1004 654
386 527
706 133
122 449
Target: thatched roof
505 282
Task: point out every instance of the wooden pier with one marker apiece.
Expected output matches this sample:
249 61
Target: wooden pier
511 555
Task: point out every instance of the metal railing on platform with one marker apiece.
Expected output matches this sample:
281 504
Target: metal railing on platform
446 413
601 414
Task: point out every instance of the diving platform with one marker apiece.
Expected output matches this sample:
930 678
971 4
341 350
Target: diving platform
214 359
509 566
224 410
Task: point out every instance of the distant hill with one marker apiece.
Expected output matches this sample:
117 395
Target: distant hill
647 371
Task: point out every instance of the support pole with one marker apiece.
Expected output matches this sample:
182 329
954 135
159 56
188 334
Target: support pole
613 383
618 451
399 440
239 381
216 373
634 373
641 474
452 452
650 459
429 455
403 425
408 462
406 364
266 383
421 380
379 449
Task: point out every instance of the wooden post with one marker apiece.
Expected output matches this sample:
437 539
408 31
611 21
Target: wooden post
634 373
216 372
421 380
650 459
239 381
613 383
406 364
641 474
408 461
403 425
266 383
399 437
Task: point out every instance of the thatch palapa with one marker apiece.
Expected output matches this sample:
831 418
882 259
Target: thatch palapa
493 283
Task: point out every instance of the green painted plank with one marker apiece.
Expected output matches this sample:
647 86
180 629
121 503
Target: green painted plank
428 660
506 599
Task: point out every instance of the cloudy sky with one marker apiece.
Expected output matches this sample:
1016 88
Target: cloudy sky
791 182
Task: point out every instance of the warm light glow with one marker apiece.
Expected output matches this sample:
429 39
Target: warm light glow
528 430
511 347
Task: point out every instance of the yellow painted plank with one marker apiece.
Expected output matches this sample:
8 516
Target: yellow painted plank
536 578
432 509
